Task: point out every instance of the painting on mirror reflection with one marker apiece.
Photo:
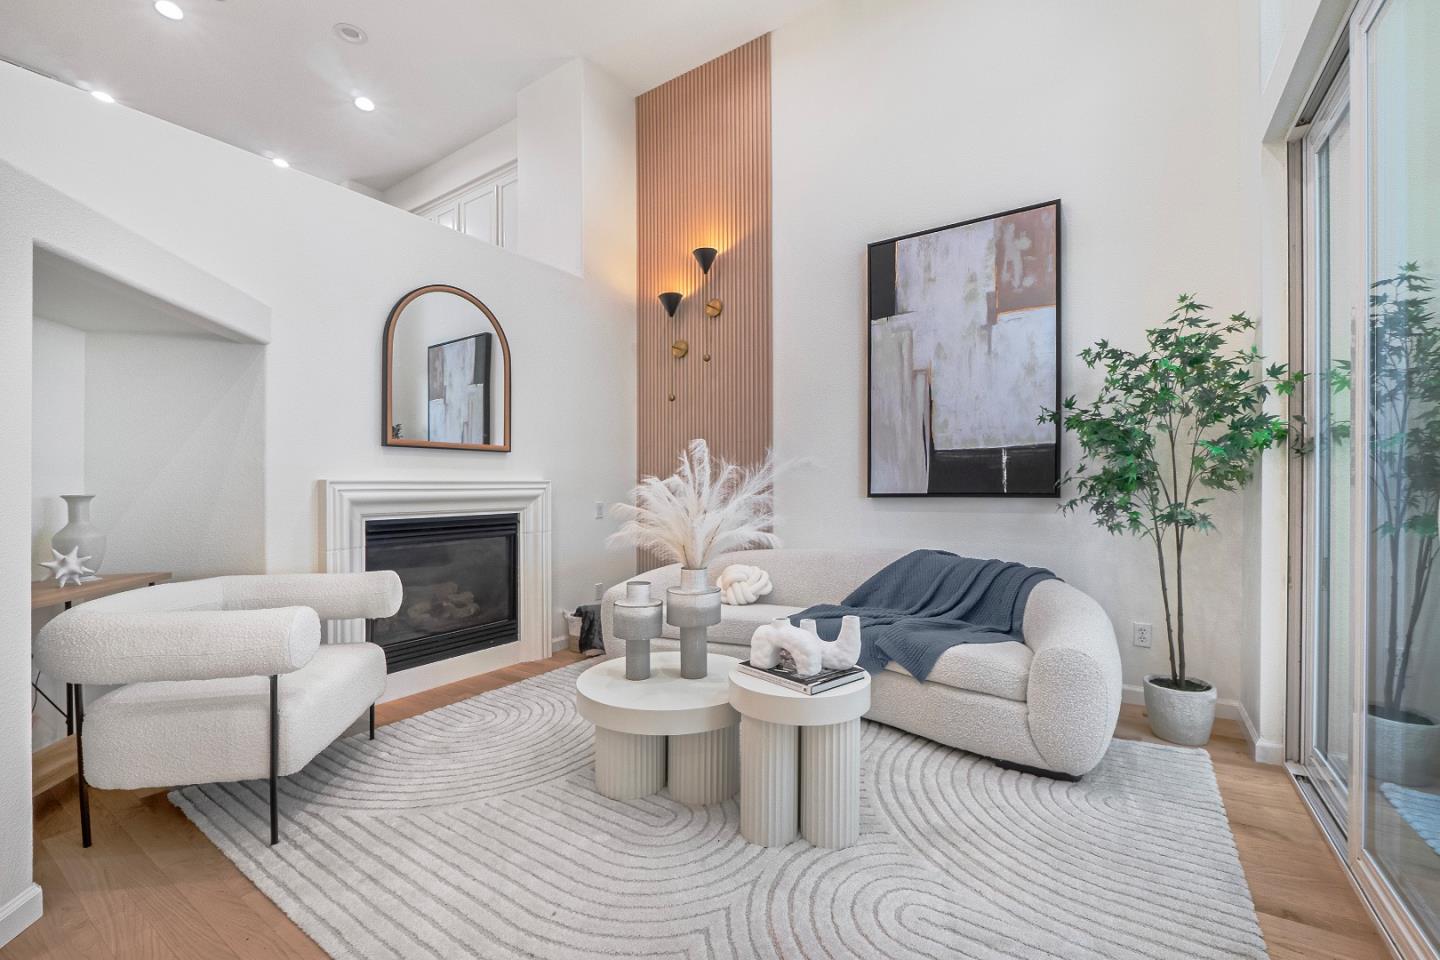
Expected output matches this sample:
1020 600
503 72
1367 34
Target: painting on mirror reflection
459 390
964 337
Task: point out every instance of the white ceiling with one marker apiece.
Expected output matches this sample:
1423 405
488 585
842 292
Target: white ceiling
271 76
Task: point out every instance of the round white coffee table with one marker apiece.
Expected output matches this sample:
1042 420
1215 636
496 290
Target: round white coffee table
636 719
787 737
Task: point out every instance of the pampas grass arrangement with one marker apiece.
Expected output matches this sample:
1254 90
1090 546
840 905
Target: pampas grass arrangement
708 507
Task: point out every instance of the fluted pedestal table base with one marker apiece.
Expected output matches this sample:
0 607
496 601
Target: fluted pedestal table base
799 761
628 765
663 729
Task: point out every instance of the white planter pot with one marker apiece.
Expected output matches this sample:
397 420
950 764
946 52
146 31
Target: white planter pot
1180 716
1402 753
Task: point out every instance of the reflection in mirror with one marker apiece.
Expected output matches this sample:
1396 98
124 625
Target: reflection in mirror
447 373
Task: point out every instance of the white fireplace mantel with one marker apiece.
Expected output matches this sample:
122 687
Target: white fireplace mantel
350 503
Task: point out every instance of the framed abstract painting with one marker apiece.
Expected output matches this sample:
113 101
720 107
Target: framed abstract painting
963 338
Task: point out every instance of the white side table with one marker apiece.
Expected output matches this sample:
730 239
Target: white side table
799 761
634 720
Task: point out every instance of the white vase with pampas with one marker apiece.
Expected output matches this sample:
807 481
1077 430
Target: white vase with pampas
704 509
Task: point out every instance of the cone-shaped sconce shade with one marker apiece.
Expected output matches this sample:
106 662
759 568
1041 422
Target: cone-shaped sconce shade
705 256
671 301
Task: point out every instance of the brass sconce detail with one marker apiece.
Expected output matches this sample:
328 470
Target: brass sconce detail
713 307
679 349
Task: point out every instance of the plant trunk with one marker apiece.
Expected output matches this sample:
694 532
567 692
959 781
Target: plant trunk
1165 595
1180 605
1425 563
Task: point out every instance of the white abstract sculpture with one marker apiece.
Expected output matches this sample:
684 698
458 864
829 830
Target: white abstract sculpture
777 636
844 652
68 567
741 583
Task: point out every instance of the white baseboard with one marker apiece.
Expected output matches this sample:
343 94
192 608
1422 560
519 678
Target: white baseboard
1264 751
559 643
22 910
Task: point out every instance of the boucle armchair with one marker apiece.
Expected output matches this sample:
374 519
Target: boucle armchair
219 679
1048 705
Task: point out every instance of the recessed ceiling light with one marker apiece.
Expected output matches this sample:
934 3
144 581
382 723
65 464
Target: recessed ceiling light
102 96
280 162
169 9
350 33
364 103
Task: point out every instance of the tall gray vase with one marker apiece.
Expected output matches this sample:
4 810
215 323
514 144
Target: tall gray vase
79 532
637 621
694 607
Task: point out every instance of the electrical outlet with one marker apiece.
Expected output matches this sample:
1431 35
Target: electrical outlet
599 590
599 509
1144 634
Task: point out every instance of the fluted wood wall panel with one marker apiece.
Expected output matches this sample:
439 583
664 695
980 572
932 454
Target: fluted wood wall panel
703 162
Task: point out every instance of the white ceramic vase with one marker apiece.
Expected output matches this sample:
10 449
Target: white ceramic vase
79 532
1180 716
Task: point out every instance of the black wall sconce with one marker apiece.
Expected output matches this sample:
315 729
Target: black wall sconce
705 256
671 302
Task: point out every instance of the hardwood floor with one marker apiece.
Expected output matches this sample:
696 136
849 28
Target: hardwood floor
153 888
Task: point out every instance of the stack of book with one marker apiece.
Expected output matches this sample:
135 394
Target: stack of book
818 683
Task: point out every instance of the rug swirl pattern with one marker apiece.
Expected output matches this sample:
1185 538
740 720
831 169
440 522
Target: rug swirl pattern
475 831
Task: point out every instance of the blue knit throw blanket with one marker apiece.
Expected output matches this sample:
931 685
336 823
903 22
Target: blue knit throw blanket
928 601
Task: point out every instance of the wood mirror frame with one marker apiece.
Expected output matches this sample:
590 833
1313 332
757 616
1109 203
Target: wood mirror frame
387 380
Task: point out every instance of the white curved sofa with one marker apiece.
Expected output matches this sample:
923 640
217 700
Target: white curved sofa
1048 705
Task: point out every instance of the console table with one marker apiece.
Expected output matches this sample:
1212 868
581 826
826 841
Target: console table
47 593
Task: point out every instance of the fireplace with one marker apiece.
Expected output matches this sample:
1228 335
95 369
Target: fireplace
460 580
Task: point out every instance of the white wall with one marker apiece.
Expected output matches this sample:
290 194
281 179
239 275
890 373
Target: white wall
893 117
481 156
174 452
57 426
549 141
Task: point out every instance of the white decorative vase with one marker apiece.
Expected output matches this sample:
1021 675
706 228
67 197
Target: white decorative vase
79 532
637 620
694 607
1403 753
1180 716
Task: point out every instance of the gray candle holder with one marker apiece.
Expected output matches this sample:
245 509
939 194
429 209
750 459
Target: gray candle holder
637 620
694 607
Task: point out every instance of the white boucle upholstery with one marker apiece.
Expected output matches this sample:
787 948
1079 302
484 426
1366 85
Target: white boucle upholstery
203 731
1050 703
83 645
333 596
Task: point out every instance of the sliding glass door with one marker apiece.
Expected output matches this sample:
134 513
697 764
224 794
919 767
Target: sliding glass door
1400 73
1368 526
1332 299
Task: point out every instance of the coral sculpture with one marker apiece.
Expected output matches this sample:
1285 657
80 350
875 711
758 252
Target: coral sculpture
844 652
741 583
781 636
69 567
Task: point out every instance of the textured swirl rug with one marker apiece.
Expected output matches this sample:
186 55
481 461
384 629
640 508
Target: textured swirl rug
475 831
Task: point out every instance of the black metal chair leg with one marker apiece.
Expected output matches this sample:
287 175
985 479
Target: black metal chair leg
372 721
274 759
69 709
78 712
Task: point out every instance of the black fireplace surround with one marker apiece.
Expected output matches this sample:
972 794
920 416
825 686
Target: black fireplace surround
459 578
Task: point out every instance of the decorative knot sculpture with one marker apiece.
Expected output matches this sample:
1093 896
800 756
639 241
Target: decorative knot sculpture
741 583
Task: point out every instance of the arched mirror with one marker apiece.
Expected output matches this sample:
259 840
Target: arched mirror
447 373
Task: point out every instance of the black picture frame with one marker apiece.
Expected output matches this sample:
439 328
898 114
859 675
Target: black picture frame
967 473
